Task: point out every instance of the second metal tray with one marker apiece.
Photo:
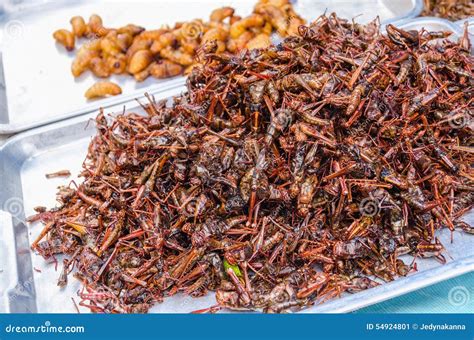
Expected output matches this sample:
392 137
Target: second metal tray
28 283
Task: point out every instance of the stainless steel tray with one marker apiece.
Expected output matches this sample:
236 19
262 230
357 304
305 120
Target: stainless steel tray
28 284
38 87
458 22
435 24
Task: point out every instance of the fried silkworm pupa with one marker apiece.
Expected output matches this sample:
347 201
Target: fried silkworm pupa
131 29
110 45
99 67
234 45
65 38
239 27
165 69
117 64
142 75
220 14
103 89
79 26
96 27
84 56
177 56
139 61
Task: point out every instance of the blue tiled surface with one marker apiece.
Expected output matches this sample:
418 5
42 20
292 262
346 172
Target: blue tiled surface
451 296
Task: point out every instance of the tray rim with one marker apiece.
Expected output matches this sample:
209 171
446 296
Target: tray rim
12 128
7 129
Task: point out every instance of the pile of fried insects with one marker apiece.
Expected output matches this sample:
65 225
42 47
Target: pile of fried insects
282 178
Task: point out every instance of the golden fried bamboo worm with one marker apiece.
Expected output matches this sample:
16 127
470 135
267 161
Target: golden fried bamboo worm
103 89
